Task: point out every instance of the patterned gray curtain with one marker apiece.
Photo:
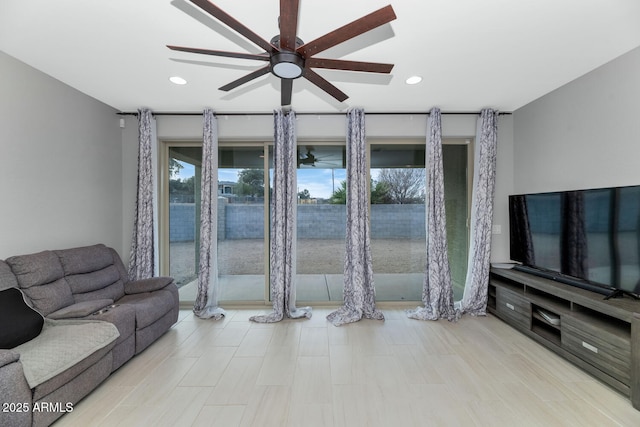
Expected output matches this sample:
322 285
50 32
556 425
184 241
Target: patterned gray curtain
437 290
206 305
142 262
359 289
474 300
284 204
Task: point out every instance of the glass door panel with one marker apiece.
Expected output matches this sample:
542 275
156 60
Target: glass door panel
321 222
455 160
398 231
184 172
241 224
398 220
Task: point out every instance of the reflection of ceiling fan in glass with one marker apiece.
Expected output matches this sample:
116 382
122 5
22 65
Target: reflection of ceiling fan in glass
326 157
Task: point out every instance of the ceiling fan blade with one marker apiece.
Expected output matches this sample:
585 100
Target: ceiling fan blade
286 89
339 64
288 24
346 32
263 57
230 21
323 84
242 80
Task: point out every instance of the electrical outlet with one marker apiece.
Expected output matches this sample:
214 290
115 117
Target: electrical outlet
496 229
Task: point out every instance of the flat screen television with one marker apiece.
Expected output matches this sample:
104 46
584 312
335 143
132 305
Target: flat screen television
586 238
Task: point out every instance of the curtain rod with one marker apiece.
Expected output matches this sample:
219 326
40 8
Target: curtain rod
379 113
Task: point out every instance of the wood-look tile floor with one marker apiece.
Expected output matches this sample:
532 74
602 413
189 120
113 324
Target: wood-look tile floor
400 372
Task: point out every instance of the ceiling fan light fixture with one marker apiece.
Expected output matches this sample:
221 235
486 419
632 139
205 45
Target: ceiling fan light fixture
287 65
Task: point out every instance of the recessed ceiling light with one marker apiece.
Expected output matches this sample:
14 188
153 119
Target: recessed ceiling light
413 80
177 80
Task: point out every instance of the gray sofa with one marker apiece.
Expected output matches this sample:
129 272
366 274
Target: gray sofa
95 320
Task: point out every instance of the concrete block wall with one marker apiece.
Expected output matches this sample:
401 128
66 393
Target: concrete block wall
182 222
245 221
397 221
322 221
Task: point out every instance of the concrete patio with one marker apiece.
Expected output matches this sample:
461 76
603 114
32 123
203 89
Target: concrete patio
314 288
319 278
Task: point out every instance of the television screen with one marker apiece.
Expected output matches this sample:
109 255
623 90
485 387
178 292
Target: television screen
585 236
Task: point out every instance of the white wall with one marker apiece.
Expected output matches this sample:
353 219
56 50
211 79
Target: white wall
585 134
61 165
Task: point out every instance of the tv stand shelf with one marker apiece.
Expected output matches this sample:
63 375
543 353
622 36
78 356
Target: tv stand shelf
600 336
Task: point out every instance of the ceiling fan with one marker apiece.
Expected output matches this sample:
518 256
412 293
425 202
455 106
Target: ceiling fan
326 157
289 57
308 158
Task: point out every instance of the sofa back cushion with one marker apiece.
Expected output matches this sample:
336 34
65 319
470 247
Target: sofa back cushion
92 272
41 278
7 278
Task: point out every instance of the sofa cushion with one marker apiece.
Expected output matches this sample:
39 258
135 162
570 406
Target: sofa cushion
104 283
147 285
36 269
7 278
20 323
7 357
92 273
41 277
150 306
50 297
117 261
85 259
62 345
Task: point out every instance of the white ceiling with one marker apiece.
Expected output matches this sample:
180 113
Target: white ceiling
472 54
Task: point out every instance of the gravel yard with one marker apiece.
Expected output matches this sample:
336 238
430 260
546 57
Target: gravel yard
314 256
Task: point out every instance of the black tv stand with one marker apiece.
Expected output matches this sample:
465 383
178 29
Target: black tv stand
619 293
601 336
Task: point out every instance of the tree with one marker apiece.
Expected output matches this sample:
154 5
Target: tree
304 195
339 196
404 185
179 187
174 167
250 182
182 190
379 193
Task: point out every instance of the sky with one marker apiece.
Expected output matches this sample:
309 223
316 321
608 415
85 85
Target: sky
320 182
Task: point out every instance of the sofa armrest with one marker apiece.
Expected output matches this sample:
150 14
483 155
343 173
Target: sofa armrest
8 356
147 285
15 391
80 309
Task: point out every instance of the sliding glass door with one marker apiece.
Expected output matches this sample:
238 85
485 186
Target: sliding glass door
398 220
242 238
398 237
182 208
241 219
457 162
321 222
244 170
